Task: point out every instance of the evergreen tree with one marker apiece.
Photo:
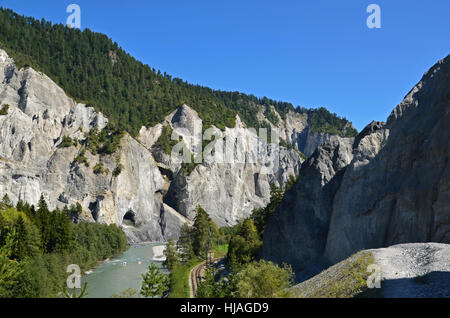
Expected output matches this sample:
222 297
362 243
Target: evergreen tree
6 200
21 248
43 219
20 206
185 243
260 216
172 255
62 232
155 283
10 272
204 232
244 246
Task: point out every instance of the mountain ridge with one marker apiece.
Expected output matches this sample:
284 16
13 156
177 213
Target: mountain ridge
128 92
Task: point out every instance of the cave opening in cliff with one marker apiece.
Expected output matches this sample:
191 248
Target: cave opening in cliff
94 210
129 218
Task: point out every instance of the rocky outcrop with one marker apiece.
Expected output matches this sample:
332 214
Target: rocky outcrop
414 270
391 185
295 130
297 233
233 178
397 188
32 163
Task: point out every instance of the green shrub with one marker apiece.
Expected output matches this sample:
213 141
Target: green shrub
262 280
100 169
117 170
81 158
4 110
165 141
67 142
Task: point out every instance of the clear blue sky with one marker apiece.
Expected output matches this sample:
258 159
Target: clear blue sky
310 53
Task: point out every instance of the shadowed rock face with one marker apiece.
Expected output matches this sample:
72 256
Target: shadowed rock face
394 189
297 232
404 270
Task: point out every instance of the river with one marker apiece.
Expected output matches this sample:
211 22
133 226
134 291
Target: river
124 271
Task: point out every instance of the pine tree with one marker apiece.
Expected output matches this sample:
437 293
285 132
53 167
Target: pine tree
44 224
172 255
185 243
21 247
155 283
261 216
10 272
204 233
6 200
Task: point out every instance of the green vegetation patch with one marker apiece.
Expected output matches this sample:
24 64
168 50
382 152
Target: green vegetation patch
104 142
81 158
343 280
179 279
188 167
68 142
4 110
284 144
271 116
99 168
322 121
165 141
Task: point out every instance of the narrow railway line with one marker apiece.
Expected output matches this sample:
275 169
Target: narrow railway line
196 275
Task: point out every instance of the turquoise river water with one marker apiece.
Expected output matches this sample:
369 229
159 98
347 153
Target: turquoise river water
123 272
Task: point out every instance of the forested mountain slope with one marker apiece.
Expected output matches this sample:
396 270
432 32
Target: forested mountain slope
94 70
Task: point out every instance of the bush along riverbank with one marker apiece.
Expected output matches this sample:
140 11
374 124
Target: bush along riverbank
37 245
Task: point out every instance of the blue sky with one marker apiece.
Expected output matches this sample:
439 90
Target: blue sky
310 53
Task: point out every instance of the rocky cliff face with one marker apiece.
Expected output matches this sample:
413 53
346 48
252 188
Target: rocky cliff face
295 130
152 196
228 187
390 185
297 232
31 163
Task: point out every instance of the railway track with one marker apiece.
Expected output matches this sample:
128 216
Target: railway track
196 275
